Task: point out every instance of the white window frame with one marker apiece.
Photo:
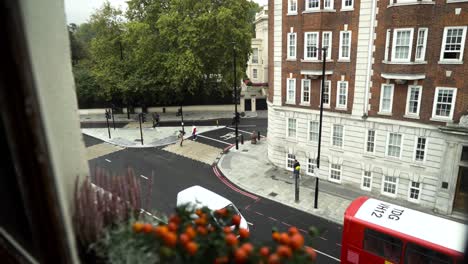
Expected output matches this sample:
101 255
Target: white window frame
344 7
395 33
452 109
336 170
254 73
307 8
330 41
417 149
338 94
255 57
288 133
303 82
327 82
328 7
422 43
309 164
387 146
462 49
289 88
364 176
383 186
306 35
333 136
419 188
408 98
340 53
287 161
314 132
289 55
290 6
366 141
386 111
387 44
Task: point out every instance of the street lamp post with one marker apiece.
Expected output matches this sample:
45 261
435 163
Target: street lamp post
236 115
324 56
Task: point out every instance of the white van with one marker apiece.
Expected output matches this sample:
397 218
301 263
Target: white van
199 197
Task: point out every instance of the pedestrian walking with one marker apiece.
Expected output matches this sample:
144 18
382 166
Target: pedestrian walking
194 132
181 137
296 168
154 119
157 119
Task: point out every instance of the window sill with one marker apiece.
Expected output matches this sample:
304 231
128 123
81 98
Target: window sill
347 9
292 14
384 113
333 180
335 148
341 108
290 103
316 61
343 60
417 164
449 62
318 11
291 59
368 155
414 3
325 106
404 62
413 200
366 189
305 104
389 194
411 116
456 1
441 119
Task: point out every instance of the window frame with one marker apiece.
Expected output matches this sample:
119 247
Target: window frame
303 81
410 45
452 109
314 164
370 180
387 147
307 8
419 189
344 7
387 44
288 88
408 98
254 73
340 171
367 141
381 98
333 136
290 11
423 150
287 160
444 42
424 45
288 133
306 34
340 53
309 130
288 55
332 2
383 186
330 44
338 94
329 93
255 57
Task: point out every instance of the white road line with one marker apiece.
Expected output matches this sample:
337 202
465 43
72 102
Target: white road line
325 254
250 223
214 139
108 160
246 125
143 177
243 131
273 219
338 244
323 238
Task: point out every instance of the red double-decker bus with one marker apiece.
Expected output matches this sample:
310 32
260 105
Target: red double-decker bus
379 232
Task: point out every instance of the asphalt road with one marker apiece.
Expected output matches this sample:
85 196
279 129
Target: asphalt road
173 173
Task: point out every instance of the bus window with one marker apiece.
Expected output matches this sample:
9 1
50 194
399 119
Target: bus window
420 255
382 245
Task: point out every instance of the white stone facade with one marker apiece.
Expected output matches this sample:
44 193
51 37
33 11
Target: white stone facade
257 70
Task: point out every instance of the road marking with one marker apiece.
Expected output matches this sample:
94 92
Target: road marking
246 125
323 238
250 223
338 244
302 230
108 160
286 224
227 183
143 177
243 131
325 254
228 136
214 139
273 218
258 213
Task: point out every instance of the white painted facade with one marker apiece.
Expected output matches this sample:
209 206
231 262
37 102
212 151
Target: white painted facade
257 71
443 150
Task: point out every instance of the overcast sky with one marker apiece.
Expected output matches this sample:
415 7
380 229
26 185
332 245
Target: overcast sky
78 11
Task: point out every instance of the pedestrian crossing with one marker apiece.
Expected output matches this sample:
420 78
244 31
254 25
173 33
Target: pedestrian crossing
195 150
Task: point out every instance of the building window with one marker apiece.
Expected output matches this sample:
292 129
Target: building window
366 183
292 6
326 94
342 95
413 100
312 4
291 87
254 73
414 191
347 4
305 91
370 141
453 44
335 172
337 138
345 45
394 145
255 55
313 131
389 186
326 43
290 161
311 164
402 41
328 4
291 45
386 98
444 103
292 127
421 44
311 40
420 151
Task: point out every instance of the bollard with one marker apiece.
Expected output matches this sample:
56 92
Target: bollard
217 123
258 133
242 139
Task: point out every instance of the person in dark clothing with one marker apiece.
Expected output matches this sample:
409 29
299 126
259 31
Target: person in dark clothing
296 168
